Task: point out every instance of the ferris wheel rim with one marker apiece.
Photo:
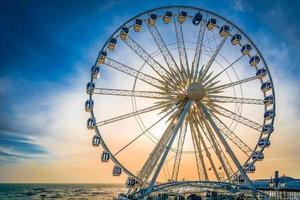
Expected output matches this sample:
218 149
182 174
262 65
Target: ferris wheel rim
211 13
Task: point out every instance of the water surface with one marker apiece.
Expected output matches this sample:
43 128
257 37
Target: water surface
60 191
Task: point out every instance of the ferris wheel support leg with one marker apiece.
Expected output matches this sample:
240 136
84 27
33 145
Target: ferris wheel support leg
164 156
228 149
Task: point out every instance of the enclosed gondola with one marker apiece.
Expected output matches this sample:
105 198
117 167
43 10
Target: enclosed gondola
236 39
254 60
246 49
261 73
152 19
250 168
90 88
197 18
131 182
182 17
96 141
257 156
268 100
112 44
96 72
105 156
224 31
269 114
117 171
138 25
266 86
89 104
267 129
91 123
211 23
124 33
264 142
167 17
240 179
101 57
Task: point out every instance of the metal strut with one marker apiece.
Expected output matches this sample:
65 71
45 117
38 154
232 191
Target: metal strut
229 114
131 93
174 69
134 73
181 49
198 50
225 144
131 114
196 118
168 147
226 99
232 136
197 139
181 139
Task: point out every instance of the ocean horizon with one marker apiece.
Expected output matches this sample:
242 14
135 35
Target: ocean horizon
89 191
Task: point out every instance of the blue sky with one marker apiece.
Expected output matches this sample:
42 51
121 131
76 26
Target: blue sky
46 44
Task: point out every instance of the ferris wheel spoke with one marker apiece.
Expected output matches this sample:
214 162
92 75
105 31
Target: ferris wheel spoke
213 57
225 144
144 55
243 120
173 67
131 114
198 50
131 93
181 139
181 48
231 135
217 75
232 84
225 165
197 139
136 74
145 131
228 99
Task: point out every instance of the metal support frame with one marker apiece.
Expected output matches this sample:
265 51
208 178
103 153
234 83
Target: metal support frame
165 51
197 139
247 122
168 147
181 139
131 93
134 73
181 49
227 147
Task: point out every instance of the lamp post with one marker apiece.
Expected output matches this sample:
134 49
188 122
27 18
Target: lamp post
276 183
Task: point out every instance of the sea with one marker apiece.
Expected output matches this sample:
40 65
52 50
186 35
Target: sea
60 191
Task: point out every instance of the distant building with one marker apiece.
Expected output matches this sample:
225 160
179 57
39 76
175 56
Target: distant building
283 187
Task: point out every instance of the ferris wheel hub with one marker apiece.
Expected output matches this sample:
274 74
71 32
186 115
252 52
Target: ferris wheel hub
195 91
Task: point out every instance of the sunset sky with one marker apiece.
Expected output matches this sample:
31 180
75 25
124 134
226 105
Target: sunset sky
47 49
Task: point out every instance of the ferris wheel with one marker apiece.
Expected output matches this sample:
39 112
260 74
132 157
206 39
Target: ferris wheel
184 94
